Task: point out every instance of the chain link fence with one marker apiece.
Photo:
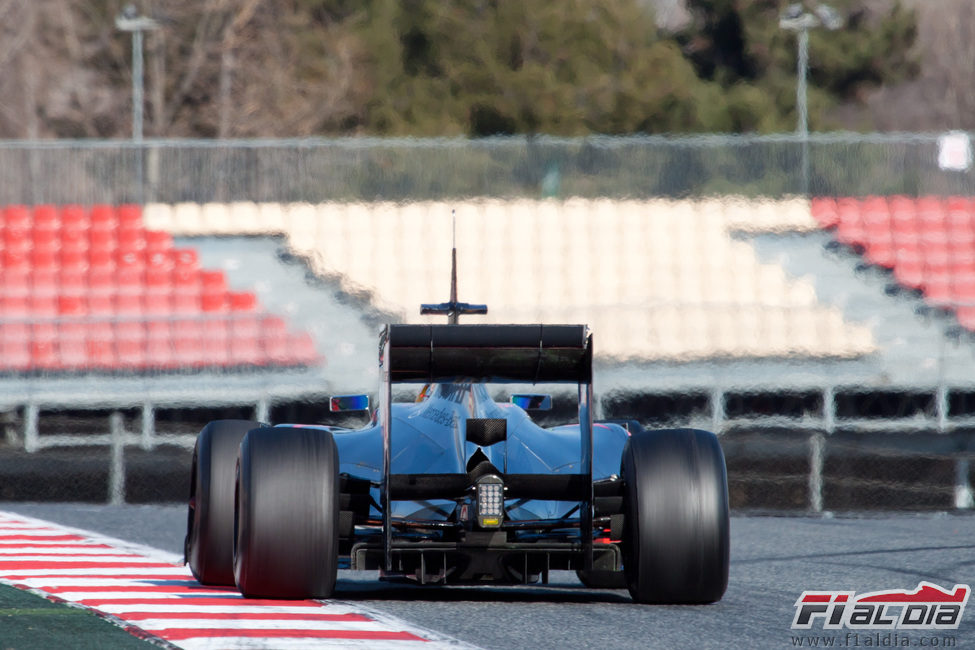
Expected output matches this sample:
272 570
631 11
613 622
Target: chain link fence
802 448
315 170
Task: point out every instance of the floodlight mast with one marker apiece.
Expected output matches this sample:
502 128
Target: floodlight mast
452 309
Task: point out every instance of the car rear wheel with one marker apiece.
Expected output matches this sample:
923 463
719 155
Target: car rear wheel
676 528
287 509
209 545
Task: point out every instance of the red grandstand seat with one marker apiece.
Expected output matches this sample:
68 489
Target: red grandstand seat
246 350
903 217
74 236
937 257
963 289
242 301
72 350
188 342
100 345
131 240
159 348
14 346
879 247
43 304
129 302
129 216
159 269
130 269
73 218
158 241
45 240
17 218
930 214
213 281
43 347
216 342
824 211
74 260
939 289
274 336
214 302
213 291
14 304
849 226
45 259
101 303
17 241
130 344
302 350
966 317
102 240
185 300
185 259
15 260
245 326
103 218
186 281
72 305
46 217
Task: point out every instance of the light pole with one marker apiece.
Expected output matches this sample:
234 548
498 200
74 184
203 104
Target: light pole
796 19
130 21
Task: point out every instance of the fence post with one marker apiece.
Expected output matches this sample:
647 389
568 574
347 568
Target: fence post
148 426
262 411
31 440
963 488
116 470
817 444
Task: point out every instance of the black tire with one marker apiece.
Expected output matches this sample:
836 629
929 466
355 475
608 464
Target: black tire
676 529
287 514
209 545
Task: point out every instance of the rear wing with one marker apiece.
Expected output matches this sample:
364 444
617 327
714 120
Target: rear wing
496 354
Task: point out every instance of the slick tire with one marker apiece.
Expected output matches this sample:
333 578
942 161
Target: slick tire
209 545
676 529
287 514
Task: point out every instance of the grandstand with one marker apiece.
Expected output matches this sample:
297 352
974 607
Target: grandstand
835 315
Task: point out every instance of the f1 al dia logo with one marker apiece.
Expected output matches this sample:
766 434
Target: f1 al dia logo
929 607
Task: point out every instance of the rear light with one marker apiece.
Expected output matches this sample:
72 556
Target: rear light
490 501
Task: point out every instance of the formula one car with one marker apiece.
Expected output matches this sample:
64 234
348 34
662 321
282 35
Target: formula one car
458 488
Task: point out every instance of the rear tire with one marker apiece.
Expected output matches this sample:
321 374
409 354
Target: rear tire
676 528
287 514
209 545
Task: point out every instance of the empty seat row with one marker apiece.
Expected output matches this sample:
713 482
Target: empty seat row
92 288
22 218
927 242
152 344
614 264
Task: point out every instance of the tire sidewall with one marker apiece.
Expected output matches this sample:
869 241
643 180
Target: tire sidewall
676 525
287 505
209 537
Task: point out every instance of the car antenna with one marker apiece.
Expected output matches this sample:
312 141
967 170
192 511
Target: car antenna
453 309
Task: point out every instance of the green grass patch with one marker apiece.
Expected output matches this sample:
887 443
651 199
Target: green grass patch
30 622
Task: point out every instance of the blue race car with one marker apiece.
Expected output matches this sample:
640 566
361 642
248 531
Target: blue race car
457 488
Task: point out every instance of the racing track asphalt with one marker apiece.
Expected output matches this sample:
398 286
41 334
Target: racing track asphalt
773 560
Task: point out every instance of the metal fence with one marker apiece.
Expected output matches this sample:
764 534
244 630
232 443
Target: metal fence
314 170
